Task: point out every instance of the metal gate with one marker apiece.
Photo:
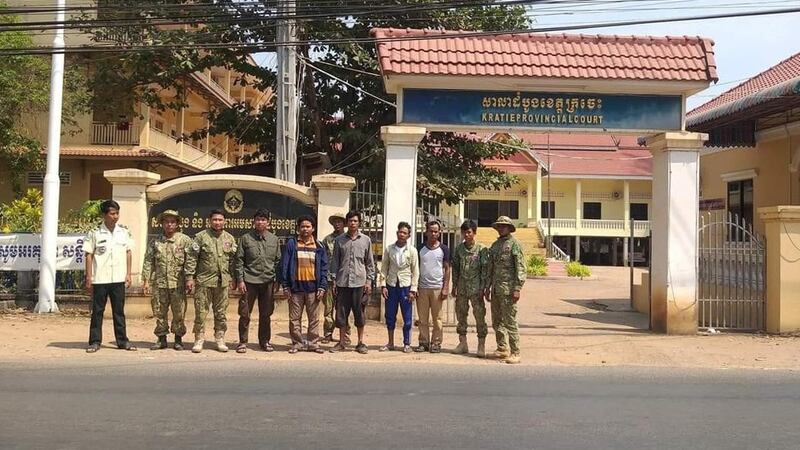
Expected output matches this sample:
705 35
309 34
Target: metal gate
731 274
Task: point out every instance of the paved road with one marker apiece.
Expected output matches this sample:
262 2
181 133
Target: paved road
255 404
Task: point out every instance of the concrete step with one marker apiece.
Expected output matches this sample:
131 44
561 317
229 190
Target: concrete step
529 238
556 268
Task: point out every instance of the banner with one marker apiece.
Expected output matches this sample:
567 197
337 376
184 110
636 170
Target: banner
22 252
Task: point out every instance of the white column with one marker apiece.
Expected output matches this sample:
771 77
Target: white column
462 212
625 251
181 125
577 248
144 132
538 206
333 196
129 189
400 190
578 205
530 200
626 197
52 181
676 198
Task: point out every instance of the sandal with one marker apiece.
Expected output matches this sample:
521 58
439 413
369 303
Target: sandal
241 348
92 348
386 348
317 350
129 347
268 348
293 350
362 349
337 348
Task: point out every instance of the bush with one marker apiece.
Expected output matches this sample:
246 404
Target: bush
576 269
23 215
537 266
83 219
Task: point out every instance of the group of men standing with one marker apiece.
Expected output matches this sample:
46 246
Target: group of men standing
337 272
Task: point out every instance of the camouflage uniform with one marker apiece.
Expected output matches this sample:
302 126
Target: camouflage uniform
328 300
469 278
163 268
506 271
210 263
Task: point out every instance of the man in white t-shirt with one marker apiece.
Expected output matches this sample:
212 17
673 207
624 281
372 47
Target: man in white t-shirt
434 281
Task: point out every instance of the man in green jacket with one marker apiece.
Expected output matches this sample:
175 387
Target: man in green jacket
209 268
164 266
255 266
507 274
337 222
469 263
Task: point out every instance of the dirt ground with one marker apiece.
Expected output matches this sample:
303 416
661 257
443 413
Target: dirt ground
562 322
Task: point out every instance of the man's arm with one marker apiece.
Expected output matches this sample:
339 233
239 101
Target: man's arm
487 288
191 264
147 267
385 263
238 261
89 261
456 269
128 266
446 266
414 269
522 273
285 278
323 269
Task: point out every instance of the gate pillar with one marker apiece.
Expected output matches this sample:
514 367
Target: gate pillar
400 187
676 194
129 189
333 196
782 226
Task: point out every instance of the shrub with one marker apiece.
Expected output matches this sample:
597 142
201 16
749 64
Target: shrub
23 215
83 219
537 266
576 269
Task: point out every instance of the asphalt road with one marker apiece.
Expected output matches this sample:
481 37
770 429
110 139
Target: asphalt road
258 404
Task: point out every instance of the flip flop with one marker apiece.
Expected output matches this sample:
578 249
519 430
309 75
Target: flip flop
241 348
92 348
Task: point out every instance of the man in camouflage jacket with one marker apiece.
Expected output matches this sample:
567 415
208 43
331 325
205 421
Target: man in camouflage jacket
507 274
469 263
164 267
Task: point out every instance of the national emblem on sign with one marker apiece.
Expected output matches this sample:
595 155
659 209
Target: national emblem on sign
234 201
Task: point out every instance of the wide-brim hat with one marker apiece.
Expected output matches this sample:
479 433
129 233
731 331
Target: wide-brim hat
504 220
335 216
169 213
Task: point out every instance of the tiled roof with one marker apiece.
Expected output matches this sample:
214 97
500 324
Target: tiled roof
419 52
111 152
517 163
786 72
590 154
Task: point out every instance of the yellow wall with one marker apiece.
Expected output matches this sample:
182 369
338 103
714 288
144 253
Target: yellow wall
771 186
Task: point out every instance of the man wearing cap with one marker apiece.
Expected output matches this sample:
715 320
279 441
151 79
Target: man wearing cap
469 278
255 266
208 267
164 266
337 222
507 274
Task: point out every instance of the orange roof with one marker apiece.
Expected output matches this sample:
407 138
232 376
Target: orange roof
420 52
110 152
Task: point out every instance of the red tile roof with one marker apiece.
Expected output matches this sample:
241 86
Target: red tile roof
783 72
590 154
420 52
520 162
110 152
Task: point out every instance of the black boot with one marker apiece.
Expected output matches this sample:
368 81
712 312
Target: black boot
178 343
160 344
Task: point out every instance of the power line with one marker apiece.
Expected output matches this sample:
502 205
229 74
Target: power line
306 61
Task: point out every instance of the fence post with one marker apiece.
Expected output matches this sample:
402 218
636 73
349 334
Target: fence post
782 226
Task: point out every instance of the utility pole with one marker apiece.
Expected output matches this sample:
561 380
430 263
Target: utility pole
286 140
52 181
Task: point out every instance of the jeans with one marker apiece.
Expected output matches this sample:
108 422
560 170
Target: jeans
100 294
398 297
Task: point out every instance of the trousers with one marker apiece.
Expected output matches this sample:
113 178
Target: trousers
266 306
101 293
399 298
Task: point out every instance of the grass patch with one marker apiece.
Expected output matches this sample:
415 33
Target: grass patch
537 266
576 269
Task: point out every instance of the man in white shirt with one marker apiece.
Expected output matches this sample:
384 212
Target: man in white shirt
400 270
108 273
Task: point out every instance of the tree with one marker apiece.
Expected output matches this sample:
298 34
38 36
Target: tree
335 118
24 93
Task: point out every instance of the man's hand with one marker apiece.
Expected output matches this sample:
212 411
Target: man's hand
385 293
146 288
455 291
89 284
320 294
242 287
275 288
487 295
287 292
334 290
515 296
412 295
232 285
128 280
444 294
189 286
368 289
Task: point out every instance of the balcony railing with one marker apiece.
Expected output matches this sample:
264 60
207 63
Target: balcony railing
593 224
641 225
559 223
115 133
190 154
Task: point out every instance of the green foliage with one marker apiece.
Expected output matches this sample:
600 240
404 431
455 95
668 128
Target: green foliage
576 269
24 92
23 215
335 118
537 266
83 219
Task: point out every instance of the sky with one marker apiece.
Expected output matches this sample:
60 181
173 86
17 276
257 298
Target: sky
744 46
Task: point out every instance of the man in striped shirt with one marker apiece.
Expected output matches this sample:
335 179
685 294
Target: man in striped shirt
304 278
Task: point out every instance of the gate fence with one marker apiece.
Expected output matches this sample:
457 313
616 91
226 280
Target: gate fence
731 273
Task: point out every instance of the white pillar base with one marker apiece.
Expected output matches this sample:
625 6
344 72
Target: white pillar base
333 196
676 188
400 189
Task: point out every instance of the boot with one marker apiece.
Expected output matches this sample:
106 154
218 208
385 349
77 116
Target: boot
462 347
199 339
502 353
481 347
178 343
160 344
220 340
514 359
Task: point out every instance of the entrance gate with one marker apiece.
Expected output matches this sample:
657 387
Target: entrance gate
731 274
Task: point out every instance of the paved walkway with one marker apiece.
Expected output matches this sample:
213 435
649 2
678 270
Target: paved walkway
562 322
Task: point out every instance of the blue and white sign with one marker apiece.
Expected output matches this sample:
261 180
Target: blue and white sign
23 252
541 110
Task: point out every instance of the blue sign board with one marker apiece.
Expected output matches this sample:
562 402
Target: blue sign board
541 110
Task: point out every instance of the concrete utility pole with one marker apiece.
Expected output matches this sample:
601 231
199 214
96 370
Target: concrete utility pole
52 181
286 141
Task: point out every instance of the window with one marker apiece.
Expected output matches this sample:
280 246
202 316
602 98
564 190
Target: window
549 210
740 200
592 210
37 178
639 211
509 208
485 212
